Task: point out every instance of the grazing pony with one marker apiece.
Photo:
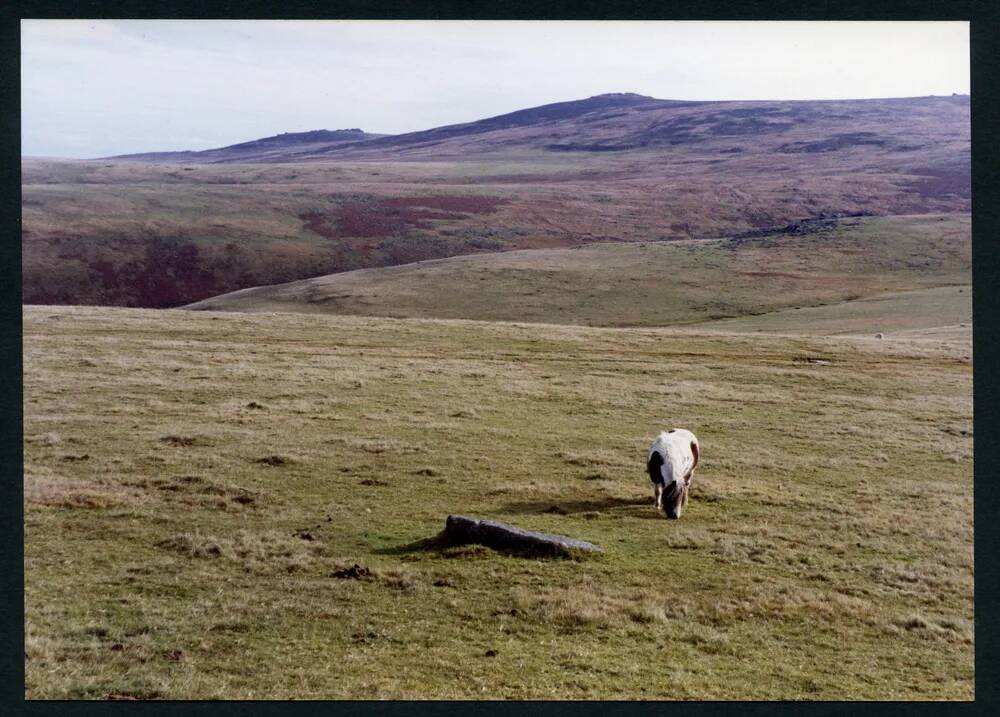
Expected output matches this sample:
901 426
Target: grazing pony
671 463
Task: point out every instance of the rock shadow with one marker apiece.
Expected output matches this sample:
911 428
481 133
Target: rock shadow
434 544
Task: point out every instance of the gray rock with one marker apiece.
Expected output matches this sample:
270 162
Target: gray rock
462 529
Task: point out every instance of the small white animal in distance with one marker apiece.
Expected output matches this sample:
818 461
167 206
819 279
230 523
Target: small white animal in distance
671 462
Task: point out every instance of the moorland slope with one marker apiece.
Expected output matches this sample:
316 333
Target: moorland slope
619 168
275 148
649 283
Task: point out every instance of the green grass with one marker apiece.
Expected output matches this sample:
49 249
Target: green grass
175 462
645 283
943 311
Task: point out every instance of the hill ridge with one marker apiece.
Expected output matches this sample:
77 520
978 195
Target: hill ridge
271 142
737 117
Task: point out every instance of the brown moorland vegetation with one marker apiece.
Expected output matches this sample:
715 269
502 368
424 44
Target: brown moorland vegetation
173 230
654 283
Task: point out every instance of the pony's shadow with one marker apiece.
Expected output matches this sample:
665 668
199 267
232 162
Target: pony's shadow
632 507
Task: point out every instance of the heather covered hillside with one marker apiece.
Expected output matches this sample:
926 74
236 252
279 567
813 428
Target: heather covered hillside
265 149
170 229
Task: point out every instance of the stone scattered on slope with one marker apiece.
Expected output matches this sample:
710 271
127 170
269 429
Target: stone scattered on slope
462 529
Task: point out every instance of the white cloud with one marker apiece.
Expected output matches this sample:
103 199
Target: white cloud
93 88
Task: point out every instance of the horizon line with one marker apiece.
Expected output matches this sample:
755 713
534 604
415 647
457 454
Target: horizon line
521 109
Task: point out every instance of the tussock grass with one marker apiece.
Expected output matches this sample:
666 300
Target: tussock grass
812 562
254 552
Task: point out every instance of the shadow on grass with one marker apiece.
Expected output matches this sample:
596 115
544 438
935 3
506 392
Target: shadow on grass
435 544
441 546
572 507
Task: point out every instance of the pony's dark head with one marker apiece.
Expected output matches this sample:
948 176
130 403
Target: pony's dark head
675 498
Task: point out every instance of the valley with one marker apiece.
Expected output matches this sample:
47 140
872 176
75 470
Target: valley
170 230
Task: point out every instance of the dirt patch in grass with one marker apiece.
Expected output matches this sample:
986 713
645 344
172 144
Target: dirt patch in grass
184 441
394 577
73 458
274 460
353 572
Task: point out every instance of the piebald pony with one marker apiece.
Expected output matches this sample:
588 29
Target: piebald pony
671 462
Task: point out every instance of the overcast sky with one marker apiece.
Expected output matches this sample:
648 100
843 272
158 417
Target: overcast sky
97 88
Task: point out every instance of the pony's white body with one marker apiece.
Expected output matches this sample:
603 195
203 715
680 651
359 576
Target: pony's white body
671 462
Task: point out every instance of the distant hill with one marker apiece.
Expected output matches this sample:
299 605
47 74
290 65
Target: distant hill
645 284
623 122
175 228
519 126
278 147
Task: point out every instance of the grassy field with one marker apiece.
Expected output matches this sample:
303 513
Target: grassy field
647 283
944 312
199 487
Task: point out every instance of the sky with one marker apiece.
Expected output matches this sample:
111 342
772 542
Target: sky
94 88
